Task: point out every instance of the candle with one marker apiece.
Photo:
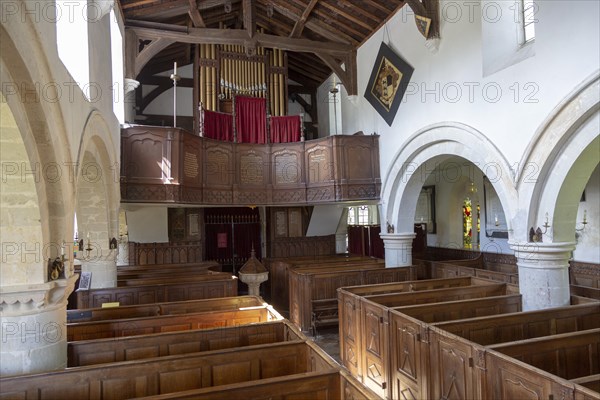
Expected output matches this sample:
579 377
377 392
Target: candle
88 236
496 218
584 216
333 80
62 248
175 68
421 219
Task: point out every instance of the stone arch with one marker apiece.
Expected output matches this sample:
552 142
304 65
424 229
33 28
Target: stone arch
97 200
423 151
37 137
559 162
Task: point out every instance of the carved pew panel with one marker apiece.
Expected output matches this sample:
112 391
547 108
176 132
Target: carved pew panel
164 323
91 352
165 374
525 325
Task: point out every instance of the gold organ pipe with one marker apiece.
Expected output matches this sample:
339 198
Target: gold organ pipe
213 53
281 86
273 85
202 78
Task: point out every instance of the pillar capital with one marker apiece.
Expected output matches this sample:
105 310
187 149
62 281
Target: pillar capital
543 273
398 248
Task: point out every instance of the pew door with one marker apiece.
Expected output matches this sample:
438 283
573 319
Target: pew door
409 364
375 347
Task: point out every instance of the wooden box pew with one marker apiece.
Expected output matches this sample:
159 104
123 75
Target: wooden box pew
463 309
459 363
168 323
525 325
370 355
349 301
174 278
170 374
313 290
496 272
591 382
409 329
568 355
584 291
278 273
508 378
440 295
541 366
166 308
218 285
91 352
205 266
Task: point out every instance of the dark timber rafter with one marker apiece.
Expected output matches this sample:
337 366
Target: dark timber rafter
195 15
163 35
299 26
347 76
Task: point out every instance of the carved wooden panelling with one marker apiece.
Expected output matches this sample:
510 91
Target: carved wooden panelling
320 165
219 166
142 163
175 162
252 171
358 162
287 168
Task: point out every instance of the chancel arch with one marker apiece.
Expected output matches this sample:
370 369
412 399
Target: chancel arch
422 156
556 168
35 198
97 203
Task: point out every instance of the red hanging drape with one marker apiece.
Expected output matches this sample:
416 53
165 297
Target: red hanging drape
285 129
250 119
218 126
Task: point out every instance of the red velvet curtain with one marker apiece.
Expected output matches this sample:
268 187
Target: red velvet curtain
285 129
356 237
250 119
218 126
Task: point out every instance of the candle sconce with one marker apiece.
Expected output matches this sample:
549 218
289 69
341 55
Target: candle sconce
56 268
583 223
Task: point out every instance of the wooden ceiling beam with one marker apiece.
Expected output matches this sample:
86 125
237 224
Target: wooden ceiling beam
239 37
378 5
299 25
195 16
249 17
348 16
348 76
383 22
317 27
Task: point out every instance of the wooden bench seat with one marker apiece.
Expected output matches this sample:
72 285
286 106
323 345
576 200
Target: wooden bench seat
324 313
91 352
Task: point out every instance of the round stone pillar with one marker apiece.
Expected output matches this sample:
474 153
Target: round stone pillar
33 321
543 274
123 256
104 270
398 248
341 245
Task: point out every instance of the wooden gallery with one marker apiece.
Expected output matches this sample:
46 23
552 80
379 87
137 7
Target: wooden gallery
303 199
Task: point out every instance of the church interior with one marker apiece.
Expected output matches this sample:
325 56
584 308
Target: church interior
300 199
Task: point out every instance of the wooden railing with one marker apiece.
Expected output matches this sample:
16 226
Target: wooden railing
170 165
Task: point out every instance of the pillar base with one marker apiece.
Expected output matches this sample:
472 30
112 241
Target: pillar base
104 272
34 327
398 248
543 274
